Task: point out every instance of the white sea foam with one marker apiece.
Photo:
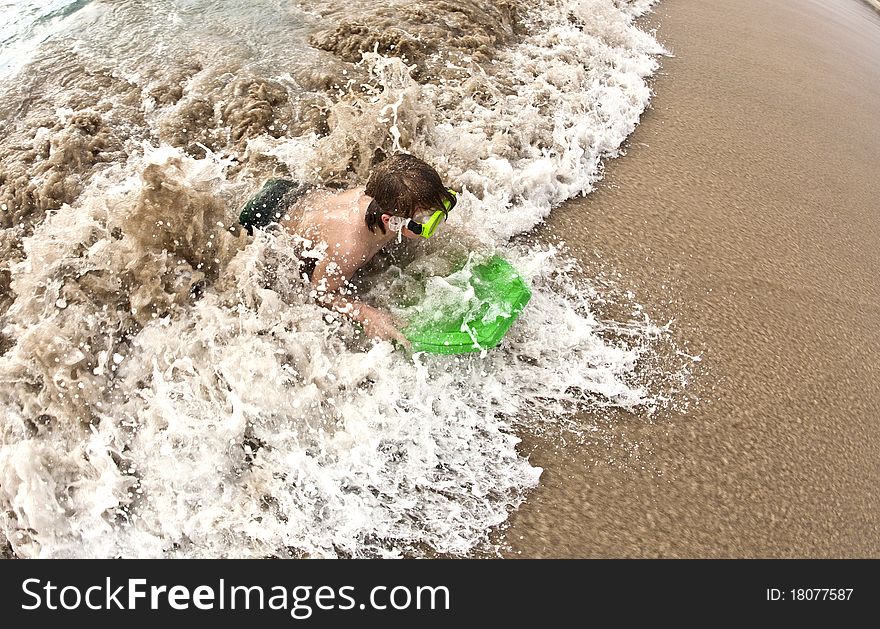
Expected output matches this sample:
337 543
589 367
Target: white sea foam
189 398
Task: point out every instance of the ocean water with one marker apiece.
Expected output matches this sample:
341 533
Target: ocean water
169 389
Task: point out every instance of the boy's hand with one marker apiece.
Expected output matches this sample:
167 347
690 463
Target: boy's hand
381 325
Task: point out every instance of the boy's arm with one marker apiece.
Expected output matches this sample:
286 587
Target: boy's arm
329 279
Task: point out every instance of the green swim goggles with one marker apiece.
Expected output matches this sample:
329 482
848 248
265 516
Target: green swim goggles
428 226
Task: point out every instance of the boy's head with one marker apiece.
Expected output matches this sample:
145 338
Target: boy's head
401 186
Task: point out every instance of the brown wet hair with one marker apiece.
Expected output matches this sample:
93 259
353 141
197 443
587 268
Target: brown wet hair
399 186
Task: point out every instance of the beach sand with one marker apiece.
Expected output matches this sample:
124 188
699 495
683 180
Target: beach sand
747 208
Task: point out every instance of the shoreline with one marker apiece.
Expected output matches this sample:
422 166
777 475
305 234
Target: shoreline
745 209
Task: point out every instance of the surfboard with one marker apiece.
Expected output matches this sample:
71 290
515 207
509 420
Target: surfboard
497 294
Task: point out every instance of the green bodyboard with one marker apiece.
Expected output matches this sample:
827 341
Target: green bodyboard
500 294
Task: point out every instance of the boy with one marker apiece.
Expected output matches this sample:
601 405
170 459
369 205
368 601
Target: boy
403 197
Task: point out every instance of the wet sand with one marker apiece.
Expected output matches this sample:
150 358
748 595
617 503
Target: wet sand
747 208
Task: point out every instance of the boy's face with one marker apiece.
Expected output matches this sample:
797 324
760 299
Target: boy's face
421 217
424 217
408 234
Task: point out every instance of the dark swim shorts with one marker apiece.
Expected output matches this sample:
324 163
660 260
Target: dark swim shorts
270 203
